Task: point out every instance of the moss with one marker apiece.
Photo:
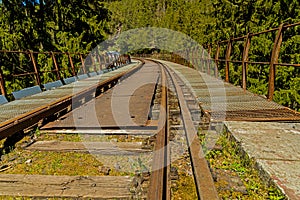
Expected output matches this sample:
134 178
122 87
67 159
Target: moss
185 187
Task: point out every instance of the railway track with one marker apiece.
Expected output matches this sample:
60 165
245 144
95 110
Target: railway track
159 181
136 136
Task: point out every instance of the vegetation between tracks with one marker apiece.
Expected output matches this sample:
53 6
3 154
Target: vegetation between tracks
17 160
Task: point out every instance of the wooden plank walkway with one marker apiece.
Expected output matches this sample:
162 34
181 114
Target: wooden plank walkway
43 186
105 148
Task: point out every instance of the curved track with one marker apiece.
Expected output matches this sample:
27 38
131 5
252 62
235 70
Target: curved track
144 98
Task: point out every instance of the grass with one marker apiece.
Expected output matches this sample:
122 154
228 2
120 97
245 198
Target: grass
92 138
230 160
60 137
30 198
185 188
54 163
57 163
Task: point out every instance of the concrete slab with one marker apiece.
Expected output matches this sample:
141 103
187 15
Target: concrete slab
275 149
285 175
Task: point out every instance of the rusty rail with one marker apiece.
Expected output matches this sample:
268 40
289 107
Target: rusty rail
159 178
159 187
202 175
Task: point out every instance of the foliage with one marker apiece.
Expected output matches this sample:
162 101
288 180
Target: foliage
47 25
75 25
211 21
236 18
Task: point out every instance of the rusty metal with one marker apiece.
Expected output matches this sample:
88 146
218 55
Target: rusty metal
57 70
45 71
259 33
196 57
93 63
259 63
287 64
82 61
274 59
105 118
98 60
36 71
228 52
244 62
208 59
23 74
185 57
217 60
158 178
104 63
237 61
39 52
226 102
259 115
72 65
119 61
2 83
202 59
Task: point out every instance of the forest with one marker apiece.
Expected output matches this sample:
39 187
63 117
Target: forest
78 26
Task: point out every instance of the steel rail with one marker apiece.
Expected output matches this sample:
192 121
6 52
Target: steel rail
28 119
202 175
158 188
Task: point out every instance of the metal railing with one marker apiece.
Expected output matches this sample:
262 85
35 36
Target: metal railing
75 64
245 55
203 56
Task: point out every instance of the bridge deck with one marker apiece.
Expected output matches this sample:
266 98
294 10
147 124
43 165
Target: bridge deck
13 112
274 146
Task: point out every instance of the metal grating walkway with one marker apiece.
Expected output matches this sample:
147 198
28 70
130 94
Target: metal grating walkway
225 102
